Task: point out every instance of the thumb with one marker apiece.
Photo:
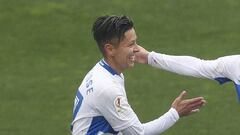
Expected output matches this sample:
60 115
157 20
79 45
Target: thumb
182 95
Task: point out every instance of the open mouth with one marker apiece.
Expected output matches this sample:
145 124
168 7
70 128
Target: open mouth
132 58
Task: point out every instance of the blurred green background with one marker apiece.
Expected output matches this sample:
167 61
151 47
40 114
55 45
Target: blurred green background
46 48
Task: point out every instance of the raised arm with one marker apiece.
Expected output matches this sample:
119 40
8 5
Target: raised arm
223 69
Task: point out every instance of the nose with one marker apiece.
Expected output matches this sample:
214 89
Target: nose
136 48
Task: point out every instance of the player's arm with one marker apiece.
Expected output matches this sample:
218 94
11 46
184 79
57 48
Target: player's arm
223 67
121 117
180 108
154 127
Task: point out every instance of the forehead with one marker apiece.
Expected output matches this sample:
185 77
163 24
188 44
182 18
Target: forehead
129 36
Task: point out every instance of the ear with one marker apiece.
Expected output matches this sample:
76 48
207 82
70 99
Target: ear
109 49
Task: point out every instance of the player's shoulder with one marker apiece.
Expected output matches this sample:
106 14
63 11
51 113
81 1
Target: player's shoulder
100 79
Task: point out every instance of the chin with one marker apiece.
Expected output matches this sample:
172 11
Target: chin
131 65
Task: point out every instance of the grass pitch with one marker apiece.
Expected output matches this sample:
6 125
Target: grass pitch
46 48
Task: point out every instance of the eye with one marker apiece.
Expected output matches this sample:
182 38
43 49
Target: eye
132 44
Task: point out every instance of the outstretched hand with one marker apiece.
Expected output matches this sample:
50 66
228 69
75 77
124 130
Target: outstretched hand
141 56
185 107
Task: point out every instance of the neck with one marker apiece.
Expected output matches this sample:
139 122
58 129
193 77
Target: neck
113 65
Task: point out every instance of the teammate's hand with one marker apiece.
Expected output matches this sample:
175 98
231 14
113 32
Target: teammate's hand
186 107
141 56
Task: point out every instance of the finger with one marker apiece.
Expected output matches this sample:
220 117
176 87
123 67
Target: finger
193 100
196 105
136 50
182 95
194 111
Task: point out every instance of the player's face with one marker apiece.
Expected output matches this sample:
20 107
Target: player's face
125 52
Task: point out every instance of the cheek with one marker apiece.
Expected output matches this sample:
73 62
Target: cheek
125 53
130 52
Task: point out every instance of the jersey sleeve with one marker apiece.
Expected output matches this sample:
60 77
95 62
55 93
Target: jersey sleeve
161 124
223 69
228 66
113 105
156 126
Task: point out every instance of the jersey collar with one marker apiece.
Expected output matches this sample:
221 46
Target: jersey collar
107 67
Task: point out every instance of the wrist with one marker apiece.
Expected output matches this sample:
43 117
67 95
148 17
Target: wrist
150 57
174 113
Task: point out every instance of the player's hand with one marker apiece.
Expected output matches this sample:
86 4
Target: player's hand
141 55
185 107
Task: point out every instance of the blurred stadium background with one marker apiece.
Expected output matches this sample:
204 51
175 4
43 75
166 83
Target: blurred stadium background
46 48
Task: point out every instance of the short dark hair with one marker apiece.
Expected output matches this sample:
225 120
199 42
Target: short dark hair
110 29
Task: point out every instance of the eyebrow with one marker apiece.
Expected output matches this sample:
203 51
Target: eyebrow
131 42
